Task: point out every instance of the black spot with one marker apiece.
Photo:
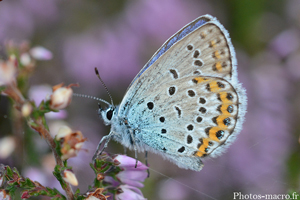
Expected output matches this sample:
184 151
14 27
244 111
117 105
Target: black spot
197 73
163 130
206 149
220 134
208 87
191 93
150 105
220 85
178 111
164 149
214 119
224 64
181 149
190 127
196 54
199 145
227 121
174 73
194 80
189 139
199 119
219 108
109 114
229 96
210 143
230 109
190 47
201 140
198 63
207 130
219 97
161 119
172 90
214 67
202 110
202 100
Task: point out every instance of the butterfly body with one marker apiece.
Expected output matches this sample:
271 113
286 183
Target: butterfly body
186 103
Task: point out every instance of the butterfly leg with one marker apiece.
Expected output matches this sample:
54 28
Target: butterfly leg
134 147
146 161
107 139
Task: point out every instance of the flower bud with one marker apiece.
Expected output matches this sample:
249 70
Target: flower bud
4 195
70 177
7 72
63 132
26 109
61 97
25 59
7 146
40 53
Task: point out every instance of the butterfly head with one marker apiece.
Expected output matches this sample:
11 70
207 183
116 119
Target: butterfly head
107 114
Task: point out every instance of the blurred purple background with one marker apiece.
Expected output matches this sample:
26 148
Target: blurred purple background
118 37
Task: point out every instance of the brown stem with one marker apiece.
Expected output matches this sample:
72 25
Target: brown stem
51 143
13 92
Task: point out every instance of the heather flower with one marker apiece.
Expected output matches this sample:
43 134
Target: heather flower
7 72
96 194
71 142
26 109
130 174
61 96
7 146
70 177
4 195
38 93
129 192
40 53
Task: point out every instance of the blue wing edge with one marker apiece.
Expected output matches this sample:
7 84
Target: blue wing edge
200 21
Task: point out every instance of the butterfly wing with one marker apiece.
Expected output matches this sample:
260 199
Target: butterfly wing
186 102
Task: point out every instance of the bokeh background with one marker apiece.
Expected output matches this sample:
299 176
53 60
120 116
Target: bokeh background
118 37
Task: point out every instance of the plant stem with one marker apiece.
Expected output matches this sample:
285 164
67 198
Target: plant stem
13 92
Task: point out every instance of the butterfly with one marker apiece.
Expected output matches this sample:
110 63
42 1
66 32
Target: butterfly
186 103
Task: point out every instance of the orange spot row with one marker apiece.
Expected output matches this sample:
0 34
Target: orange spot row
217 54
224 99
214 86
219 66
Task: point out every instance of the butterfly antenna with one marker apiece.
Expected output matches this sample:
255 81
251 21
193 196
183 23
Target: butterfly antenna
97 73
90 97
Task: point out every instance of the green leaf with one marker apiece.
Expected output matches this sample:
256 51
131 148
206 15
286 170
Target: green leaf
9 172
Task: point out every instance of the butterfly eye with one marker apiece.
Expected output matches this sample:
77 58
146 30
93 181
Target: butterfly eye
109 114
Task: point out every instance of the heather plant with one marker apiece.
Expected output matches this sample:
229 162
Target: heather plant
116 176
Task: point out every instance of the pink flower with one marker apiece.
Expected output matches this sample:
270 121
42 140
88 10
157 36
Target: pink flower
129 192
131 175
40 53
126 162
